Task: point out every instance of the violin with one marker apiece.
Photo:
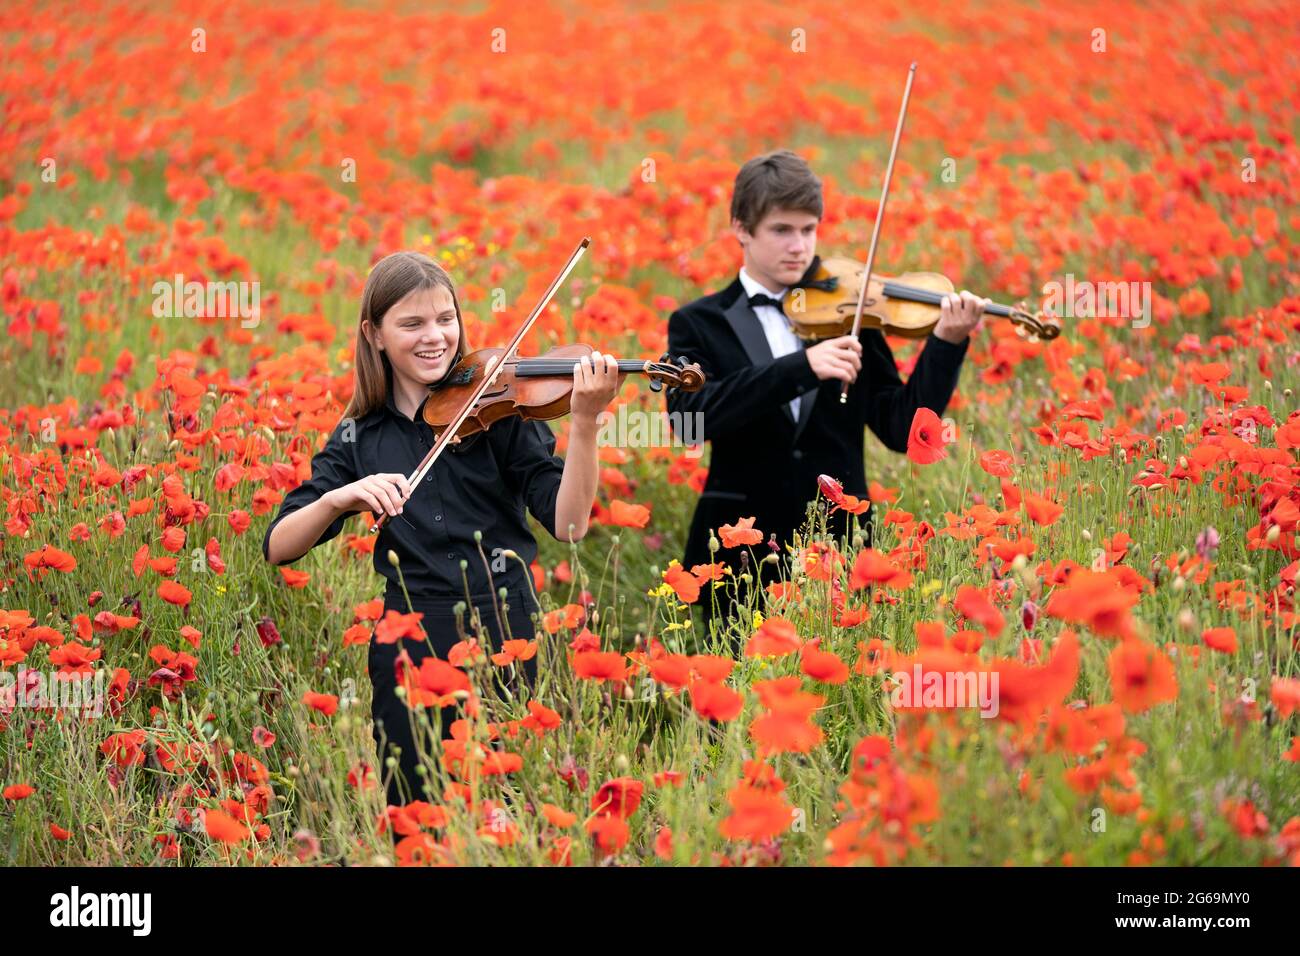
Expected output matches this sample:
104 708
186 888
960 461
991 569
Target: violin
533 388
823 303
909 305
489 384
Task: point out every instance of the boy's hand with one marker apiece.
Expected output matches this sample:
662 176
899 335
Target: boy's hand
840 358
960 316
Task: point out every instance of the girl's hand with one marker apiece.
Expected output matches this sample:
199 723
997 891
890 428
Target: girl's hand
381 494
595 383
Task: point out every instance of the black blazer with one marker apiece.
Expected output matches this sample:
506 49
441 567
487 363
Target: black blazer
763 462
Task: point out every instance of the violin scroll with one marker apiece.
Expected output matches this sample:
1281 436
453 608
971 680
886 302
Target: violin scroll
1032 324
687 376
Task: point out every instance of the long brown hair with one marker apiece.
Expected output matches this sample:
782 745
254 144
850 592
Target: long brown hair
393 278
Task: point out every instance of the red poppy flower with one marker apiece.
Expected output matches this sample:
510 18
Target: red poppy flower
221 826
823 666
49 559
998 463
174 593
628 515
741 533
327 704
715 701
684 584
974 605
925 443
775 637
756 814
619 797
1222 639
396 626
600 665
1141 676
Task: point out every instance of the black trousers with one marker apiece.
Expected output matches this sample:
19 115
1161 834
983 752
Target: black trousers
392 719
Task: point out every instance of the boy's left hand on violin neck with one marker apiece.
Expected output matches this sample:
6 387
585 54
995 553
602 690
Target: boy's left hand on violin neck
960 316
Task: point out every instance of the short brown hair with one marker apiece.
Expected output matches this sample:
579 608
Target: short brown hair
776 180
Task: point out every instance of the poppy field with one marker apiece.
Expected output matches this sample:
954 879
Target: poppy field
1102 528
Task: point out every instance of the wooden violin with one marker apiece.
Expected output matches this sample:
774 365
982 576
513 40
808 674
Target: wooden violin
533 388
909 305
823 304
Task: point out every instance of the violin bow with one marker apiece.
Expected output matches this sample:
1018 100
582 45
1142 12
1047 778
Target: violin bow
880 215
490 374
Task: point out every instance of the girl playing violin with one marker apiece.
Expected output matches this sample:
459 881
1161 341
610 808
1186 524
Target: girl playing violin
410 335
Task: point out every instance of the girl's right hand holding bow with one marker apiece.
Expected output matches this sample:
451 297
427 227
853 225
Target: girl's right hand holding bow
380 493
298 532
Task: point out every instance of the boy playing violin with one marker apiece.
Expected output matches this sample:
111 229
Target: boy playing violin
771 402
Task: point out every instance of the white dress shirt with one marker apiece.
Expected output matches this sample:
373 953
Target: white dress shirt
780 336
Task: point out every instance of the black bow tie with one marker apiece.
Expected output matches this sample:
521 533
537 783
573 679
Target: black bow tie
761 298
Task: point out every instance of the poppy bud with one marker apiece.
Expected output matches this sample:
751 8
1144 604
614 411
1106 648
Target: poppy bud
831 488
1187 620
1029 615
393 559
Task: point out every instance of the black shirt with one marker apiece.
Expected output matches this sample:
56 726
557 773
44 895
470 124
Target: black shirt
483 483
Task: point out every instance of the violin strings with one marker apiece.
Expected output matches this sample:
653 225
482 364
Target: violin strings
896 290
565 366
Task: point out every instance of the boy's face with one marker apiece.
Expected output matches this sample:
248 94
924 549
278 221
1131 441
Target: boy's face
781 247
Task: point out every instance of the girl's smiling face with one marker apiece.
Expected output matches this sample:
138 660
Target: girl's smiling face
420 335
